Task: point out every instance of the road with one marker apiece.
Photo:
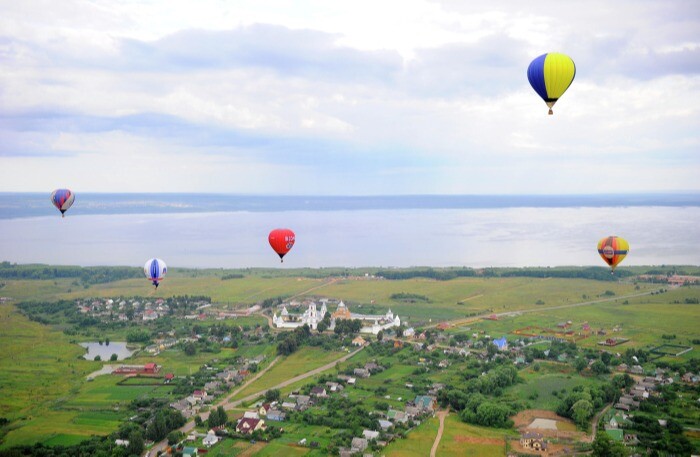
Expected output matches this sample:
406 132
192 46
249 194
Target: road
228 405
596 419
162 445
441 415
328 366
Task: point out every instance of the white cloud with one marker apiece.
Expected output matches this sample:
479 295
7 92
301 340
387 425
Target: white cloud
341 97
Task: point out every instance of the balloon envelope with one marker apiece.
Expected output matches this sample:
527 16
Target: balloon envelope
281 241
155 270
62 199
550 75
613 250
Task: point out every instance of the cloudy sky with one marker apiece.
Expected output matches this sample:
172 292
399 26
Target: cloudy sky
346 97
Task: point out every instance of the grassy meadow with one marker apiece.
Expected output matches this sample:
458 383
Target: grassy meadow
47 398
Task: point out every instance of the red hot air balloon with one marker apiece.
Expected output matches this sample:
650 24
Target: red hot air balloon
281 241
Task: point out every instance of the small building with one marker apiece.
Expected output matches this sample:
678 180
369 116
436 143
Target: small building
318 391
615 434
370 435
534 441
249 425
425 403
276 415
190 452
385 424
501 343
361 372
359 341
211 439
358 444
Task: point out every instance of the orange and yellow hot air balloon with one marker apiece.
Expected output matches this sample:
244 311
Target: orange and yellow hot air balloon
613 250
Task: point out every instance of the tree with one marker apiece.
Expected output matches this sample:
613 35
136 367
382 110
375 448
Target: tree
380 335
603 446
114 358
217 417
580 364
198 420
272 395
135 443
190 348
97 358
581 411
174 437
599 368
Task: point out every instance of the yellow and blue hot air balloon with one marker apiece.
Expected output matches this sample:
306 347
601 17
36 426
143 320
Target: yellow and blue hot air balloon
613 250
550 75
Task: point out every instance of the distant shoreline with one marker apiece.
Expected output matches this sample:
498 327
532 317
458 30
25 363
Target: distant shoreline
32 204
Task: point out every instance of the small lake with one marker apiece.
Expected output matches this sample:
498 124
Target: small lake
105 351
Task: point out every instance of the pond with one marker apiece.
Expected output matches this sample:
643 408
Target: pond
105 351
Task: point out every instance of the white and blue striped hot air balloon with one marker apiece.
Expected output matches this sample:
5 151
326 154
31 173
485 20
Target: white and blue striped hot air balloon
155 270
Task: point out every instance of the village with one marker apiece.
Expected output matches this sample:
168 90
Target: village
336 376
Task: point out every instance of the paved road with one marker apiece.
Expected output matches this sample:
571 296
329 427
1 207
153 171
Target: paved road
441 415
228 405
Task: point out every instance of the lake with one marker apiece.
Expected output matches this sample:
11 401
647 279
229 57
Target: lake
105 351
478 232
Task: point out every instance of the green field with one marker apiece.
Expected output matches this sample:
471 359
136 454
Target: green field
51 401
418 442
538 386
288 367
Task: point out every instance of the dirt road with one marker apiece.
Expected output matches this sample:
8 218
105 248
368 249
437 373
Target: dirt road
160 446
328 366
441 415
228 405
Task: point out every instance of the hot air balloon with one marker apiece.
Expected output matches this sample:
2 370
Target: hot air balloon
550 75
281 241
62 199
613 250
155 270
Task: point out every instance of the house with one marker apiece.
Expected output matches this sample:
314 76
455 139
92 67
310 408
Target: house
276 415
249 425
348 379
303 402
251 415
385 424
334 386
534 441
501 343
425 403
212 385
358 444
373 366
200 395
615 434
359 341
361 372
119 442
169 377
370 435
318 391
264 408
409 332
190 452
397 416
211 439
288 405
